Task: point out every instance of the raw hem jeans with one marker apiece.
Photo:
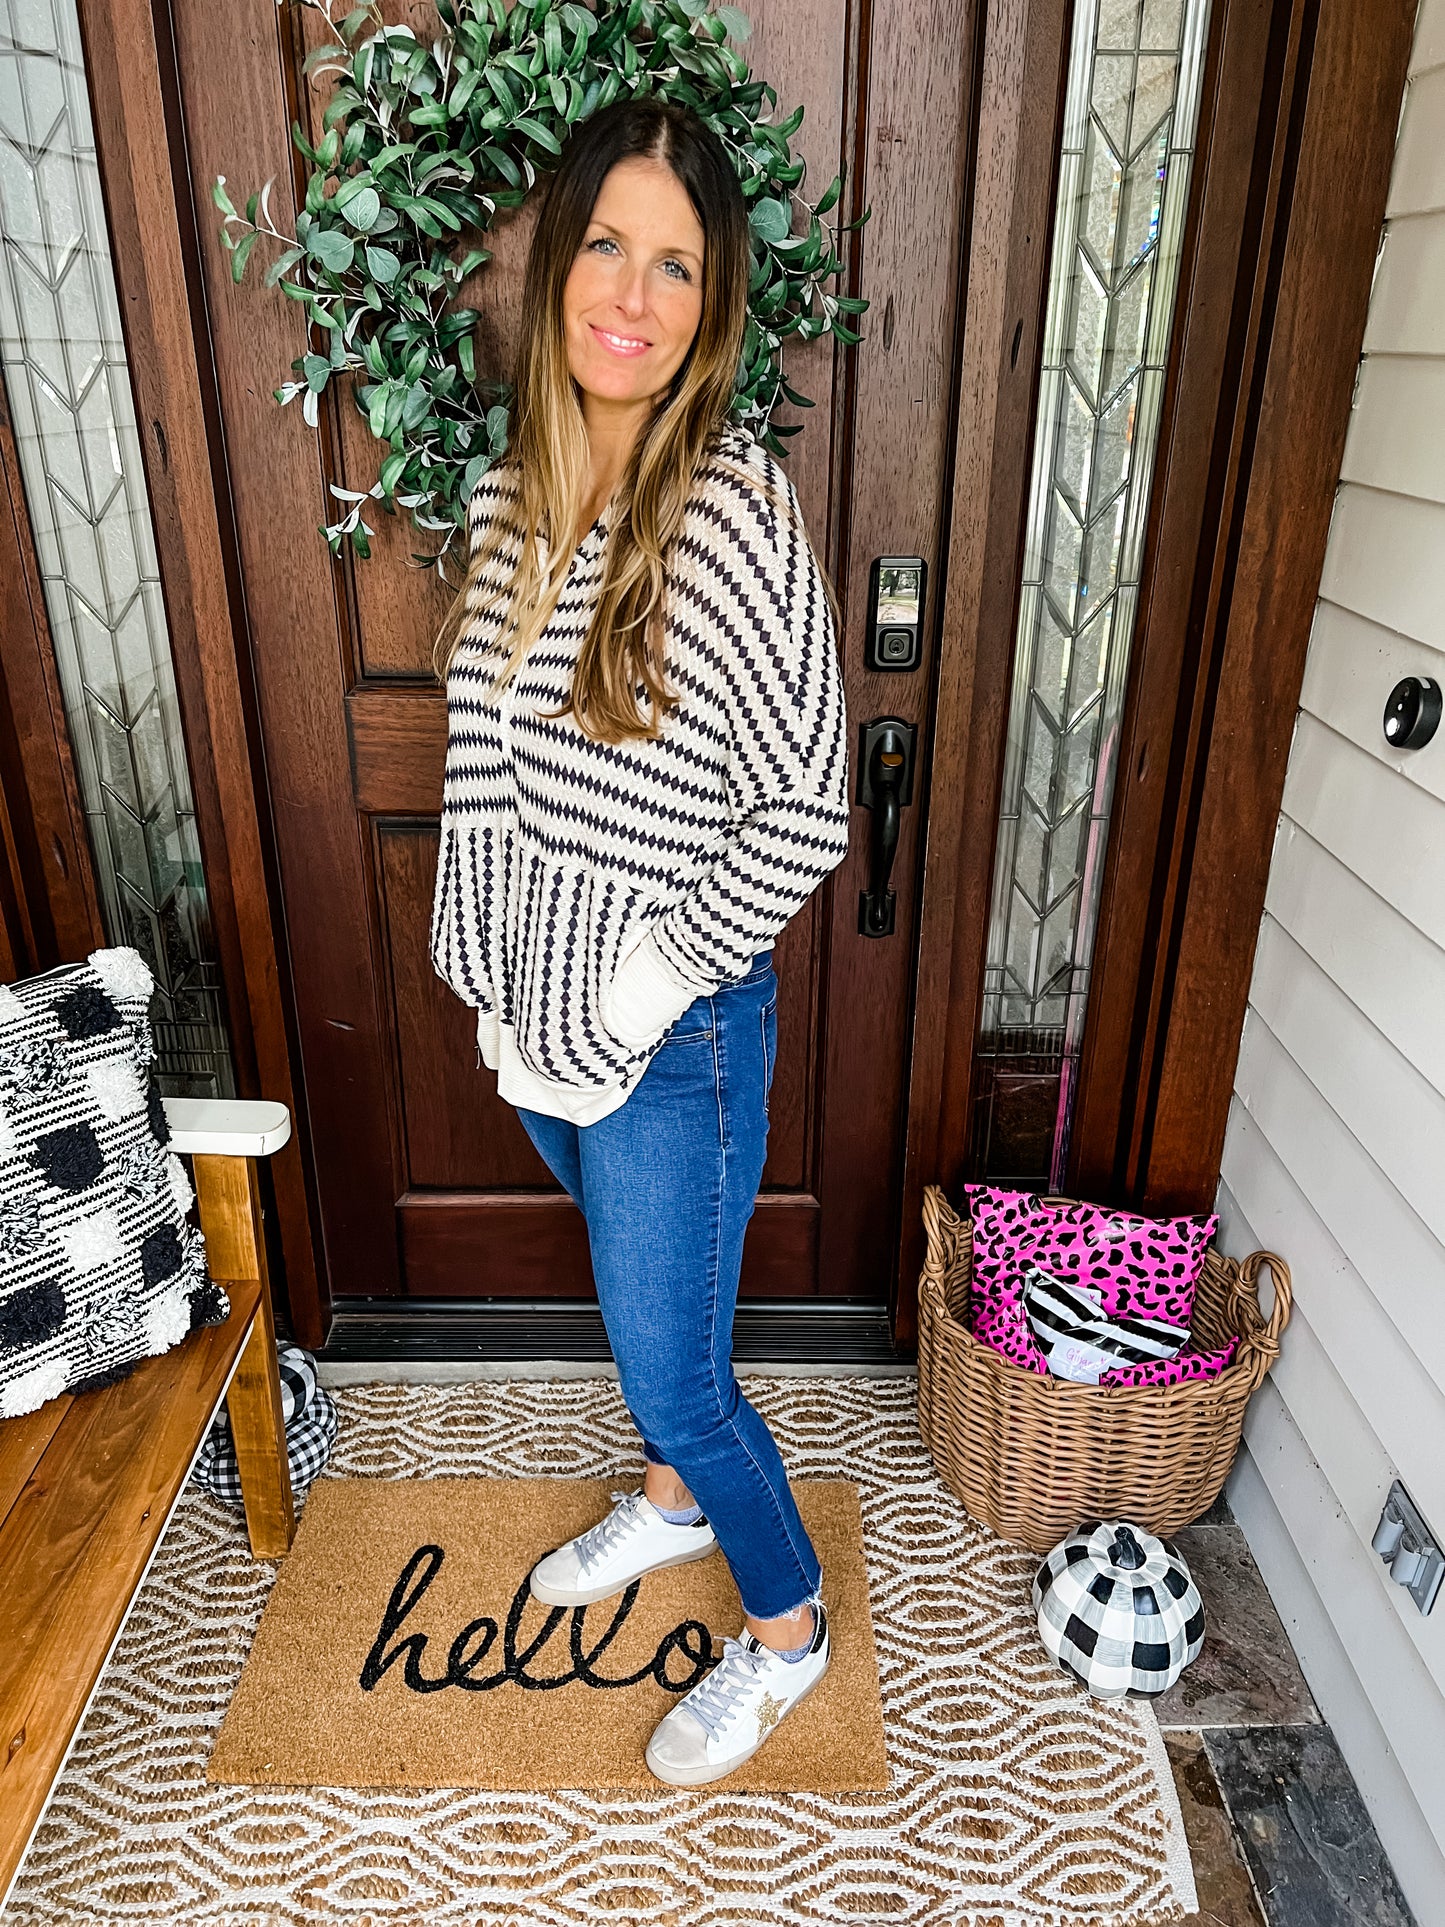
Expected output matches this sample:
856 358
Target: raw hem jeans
666 1183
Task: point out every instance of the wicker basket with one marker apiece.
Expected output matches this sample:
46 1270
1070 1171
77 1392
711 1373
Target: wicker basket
1033 1456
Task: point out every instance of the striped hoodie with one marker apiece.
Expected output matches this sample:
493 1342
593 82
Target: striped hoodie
586 893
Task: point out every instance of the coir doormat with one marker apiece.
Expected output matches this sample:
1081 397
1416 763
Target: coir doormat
400 1647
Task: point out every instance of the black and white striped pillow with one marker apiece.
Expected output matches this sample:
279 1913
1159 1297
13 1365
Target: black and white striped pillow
1081 1340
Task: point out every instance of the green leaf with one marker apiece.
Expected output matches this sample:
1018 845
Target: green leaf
281 264
383 265
771 220
317 370
361 212
333 249
242 251
544 137
222 198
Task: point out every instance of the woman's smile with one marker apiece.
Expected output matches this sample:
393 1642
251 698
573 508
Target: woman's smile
619 344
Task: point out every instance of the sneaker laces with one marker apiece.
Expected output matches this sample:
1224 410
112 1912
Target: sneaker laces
598 1541
721 1694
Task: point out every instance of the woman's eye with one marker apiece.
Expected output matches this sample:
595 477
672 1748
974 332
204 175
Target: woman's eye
606 241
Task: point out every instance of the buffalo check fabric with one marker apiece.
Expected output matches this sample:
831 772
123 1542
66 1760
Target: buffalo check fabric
311 1421
1118 1609
99 1265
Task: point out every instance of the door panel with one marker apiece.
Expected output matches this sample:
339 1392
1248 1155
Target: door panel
428 1187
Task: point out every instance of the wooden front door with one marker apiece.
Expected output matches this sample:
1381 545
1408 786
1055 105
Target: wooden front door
427 1186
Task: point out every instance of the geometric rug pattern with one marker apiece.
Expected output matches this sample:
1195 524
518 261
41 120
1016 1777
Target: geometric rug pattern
1014 1800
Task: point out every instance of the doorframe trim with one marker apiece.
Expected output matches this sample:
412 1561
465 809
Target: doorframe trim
1020 101
1184 889
140 147
1187 871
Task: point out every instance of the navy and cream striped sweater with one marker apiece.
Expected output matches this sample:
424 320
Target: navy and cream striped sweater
586 893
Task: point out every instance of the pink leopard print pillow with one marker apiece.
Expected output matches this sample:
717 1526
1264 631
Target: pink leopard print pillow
1173 1371
1140 1267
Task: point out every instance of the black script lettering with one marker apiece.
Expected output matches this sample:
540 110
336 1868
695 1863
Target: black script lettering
426 1560
476 1639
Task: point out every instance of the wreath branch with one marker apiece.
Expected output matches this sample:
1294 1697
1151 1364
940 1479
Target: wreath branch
422 142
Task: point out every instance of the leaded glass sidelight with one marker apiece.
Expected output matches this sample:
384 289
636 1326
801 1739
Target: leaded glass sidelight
68 388
1128 134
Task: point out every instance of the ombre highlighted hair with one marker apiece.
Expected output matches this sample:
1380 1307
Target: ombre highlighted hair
548 449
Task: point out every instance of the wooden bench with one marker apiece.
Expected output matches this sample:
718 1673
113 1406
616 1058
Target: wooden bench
89 1482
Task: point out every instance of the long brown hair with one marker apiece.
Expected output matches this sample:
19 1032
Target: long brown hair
548 450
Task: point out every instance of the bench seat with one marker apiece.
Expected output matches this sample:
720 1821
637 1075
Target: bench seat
89 1482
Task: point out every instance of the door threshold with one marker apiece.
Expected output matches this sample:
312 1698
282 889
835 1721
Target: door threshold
783 1332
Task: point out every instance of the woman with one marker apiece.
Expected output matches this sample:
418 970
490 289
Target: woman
646 777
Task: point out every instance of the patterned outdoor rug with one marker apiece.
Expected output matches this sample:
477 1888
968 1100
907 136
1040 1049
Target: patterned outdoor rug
1014 1800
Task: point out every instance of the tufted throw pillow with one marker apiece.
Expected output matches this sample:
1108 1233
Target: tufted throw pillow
98 1265
1144 1268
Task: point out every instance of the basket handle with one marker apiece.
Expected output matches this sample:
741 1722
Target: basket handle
943 1229
1260 1334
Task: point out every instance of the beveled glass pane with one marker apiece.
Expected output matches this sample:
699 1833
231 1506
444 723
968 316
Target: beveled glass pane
1066 546
1163 23
1143 196
1052 666
1074 454
68 389
1118 23
1103 178
1066 855
1111 97
1086 337
1127 325
1116 428
1154 94
1131 108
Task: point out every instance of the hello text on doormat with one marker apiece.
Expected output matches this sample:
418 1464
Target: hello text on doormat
401 1646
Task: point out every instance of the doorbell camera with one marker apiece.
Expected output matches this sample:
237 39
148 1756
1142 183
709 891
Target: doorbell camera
895 611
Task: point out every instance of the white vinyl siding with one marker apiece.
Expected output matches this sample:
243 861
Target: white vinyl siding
1335 1153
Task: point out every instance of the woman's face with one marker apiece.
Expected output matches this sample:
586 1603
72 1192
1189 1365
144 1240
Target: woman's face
633 298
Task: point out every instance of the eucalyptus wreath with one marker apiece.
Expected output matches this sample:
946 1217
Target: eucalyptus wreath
423 141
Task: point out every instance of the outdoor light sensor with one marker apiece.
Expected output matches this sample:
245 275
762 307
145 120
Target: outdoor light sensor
1412 715
895 611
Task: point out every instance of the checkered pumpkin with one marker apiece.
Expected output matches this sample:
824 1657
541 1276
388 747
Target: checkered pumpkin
311 1420
99 1267
1117 1608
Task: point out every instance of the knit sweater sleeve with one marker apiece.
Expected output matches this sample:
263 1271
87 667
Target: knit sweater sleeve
788 770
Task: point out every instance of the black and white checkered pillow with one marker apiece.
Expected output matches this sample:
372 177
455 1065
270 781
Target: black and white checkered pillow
1117 1608
311 1424
99 1266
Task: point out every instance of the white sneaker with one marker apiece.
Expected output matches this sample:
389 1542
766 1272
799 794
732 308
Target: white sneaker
727 1716
633 1539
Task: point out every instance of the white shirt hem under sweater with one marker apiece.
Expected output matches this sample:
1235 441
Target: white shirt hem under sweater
587 893
646 1000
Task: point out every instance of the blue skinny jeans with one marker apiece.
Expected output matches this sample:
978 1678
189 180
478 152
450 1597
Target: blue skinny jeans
666 1183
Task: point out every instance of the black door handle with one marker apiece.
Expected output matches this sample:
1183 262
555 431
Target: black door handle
886 750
